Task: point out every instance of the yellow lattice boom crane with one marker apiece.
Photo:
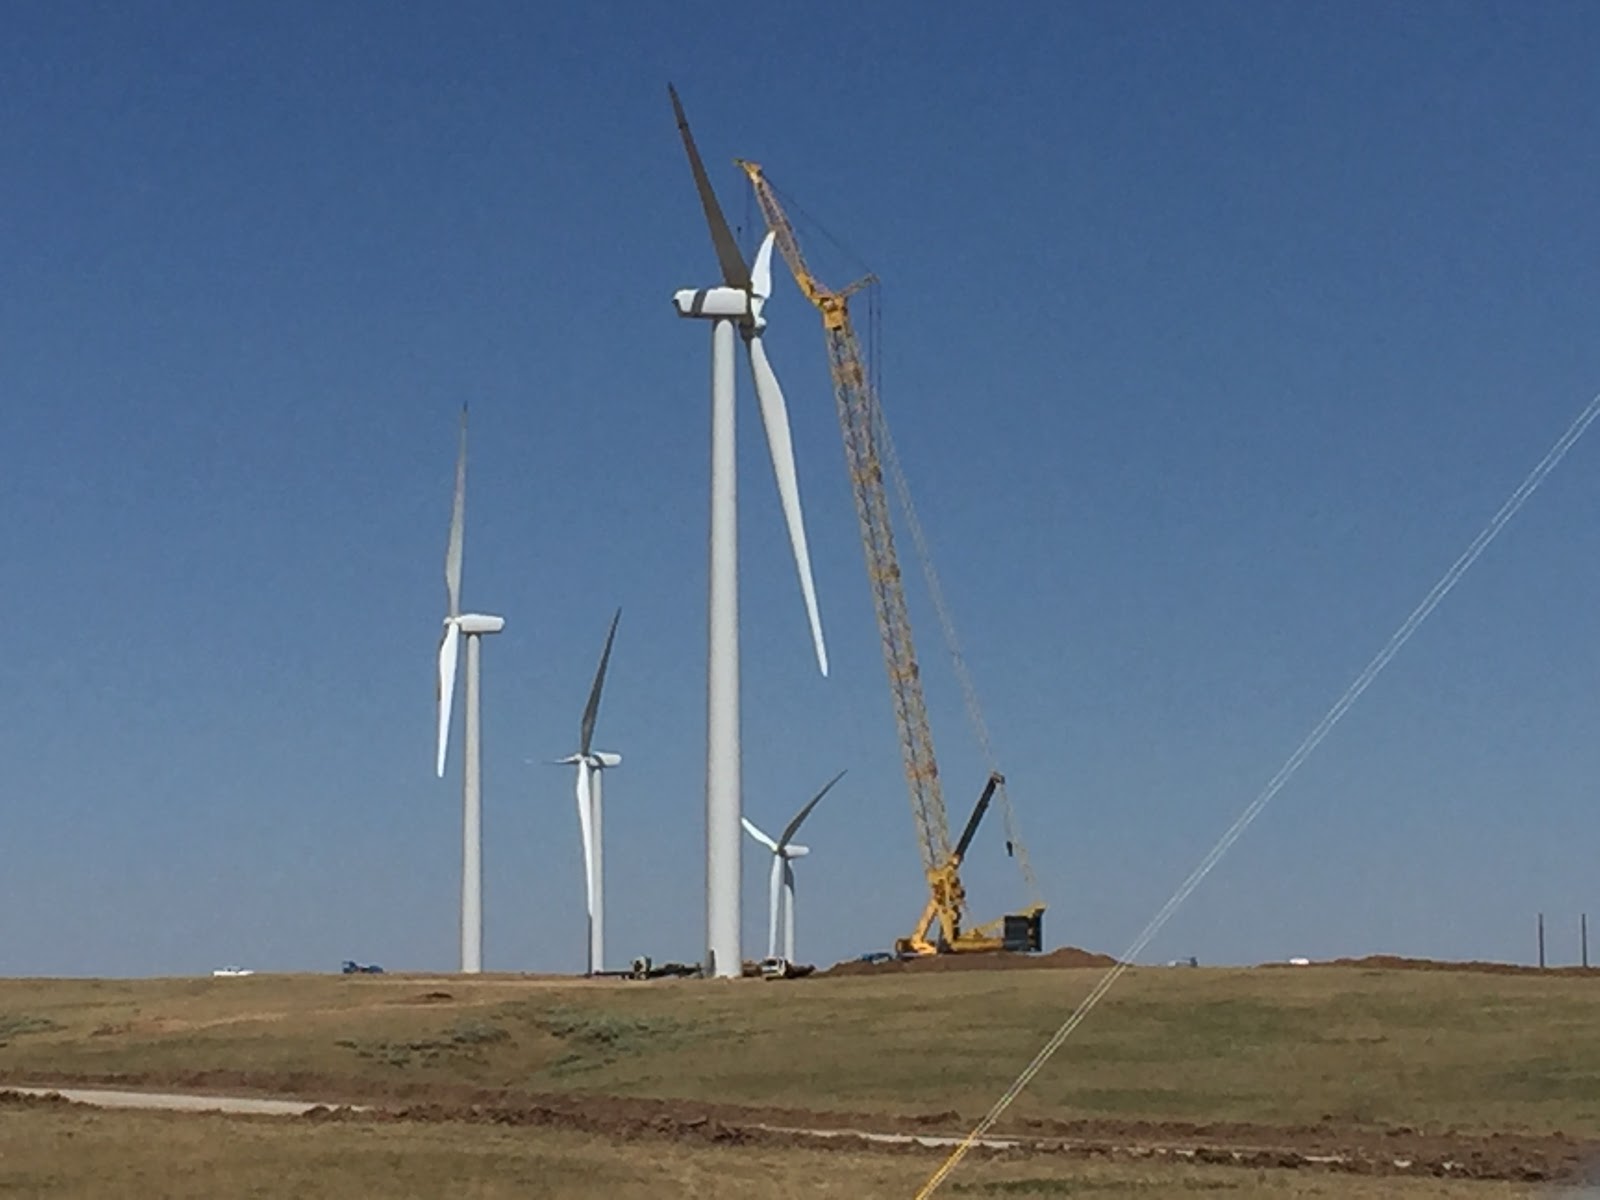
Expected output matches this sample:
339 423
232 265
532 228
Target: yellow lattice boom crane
941 927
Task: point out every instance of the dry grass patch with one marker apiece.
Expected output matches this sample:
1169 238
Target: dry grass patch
61 1153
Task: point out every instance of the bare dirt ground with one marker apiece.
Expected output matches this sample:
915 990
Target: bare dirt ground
1067 956
1072 956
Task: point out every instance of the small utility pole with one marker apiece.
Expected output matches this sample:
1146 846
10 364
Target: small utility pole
1583 937
1541 941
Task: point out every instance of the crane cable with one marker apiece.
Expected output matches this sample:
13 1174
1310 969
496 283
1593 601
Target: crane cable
969 691
1324 727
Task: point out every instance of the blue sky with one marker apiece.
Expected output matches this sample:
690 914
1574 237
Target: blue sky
1211 336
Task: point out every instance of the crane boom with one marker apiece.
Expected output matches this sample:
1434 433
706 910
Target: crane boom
855 401
859 422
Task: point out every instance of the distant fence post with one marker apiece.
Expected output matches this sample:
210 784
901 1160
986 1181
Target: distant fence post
1583 937
1541 941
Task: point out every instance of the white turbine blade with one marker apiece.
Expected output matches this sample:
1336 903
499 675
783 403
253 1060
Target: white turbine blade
774 890
458 511
775 416
750 828
449 651
793 827
761 277
586 827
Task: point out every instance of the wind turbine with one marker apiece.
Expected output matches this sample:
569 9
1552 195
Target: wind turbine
472 626
591 764
738 303
780 890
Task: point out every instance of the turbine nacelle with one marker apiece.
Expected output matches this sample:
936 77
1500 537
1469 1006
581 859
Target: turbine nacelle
455 627
477 623
717 304
600 760
732 303
781 850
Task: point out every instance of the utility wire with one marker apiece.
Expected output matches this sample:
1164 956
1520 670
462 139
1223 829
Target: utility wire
1409 626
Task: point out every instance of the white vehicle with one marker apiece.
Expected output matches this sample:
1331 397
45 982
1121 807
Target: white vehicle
231 972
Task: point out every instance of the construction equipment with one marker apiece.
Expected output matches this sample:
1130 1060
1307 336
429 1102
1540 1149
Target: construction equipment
940 928
778 967
644 967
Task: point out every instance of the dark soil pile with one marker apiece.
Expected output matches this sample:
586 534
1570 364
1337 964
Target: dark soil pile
1067 956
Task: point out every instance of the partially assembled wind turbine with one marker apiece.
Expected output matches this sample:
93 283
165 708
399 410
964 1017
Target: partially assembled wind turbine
737 303
780 889
591 764
472 626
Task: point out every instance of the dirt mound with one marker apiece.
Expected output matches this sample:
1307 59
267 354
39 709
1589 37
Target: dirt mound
1396 962
1066 957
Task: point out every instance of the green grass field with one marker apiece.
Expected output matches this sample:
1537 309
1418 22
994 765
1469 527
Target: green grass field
1433 1050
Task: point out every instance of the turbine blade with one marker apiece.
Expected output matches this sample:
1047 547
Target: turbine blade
449 650
775 416
749 827
799 818
458 512
761 273
774 890
586 828
592 709
734 272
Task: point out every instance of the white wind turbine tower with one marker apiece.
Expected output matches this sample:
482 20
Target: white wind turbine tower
736 304
780 889
591 766
473 626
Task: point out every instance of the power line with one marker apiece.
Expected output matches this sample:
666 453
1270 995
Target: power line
1315 738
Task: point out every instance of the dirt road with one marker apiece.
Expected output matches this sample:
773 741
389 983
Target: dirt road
173 1101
